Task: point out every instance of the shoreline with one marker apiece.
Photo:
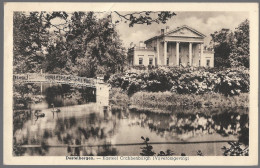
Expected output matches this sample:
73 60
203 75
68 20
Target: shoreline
168 102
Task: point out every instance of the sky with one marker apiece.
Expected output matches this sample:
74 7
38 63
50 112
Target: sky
204 22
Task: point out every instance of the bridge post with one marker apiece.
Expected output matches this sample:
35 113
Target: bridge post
41 82
102 94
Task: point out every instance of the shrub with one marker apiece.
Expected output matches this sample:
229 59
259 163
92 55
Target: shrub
184 80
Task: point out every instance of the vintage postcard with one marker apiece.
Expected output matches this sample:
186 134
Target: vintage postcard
131 83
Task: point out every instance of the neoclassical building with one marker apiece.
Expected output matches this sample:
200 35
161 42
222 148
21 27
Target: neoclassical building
181 46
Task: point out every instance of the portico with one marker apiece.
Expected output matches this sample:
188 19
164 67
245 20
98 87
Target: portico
191 53
183 46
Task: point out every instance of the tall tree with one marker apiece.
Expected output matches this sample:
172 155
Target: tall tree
30 39
78 43
91 46
240 48
222 44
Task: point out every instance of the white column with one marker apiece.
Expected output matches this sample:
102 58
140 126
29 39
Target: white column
190 54
165 52
158 53
201 55
177 53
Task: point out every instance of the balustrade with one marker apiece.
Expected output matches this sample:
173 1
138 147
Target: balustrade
54 78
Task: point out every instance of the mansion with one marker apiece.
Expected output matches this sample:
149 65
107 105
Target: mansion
183 46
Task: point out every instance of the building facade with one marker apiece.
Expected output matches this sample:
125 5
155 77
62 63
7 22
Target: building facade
183 46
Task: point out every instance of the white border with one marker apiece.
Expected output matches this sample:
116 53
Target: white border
252 8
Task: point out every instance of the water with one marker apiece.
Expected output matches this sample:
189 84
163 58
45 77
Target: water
91 125
98 128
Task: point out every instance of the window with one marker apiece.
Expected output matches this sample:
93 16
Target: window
168 61
208 62
150 61
140 61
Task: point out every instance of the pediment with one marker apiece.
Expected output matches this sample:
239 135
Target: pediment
185 32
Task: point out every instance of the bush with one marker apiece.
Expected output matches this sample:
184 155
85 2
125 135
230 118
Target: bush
24 94
232 81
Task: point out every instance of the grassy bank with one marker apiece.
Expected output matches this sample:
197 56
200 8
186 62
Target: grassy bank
168 101
165 102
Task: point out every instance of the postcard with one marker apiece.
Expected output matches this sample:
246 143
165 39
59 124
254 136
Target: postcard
131 83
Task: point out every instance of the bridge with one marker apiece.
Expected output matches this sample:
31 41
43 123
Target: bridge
57 79
102 90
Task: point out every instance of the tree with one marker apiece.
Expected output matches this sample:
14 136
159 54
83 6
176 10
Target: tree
240 48
30 39
81 44
232 48
92 46
222 44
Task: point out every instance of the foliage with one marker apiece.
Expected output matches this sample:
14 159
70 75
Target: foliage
94 45
65 95
30 39
145 17
148 150
184 80
232 48
79 44
167 101
118 97
222 43
240 49
235 150
24 94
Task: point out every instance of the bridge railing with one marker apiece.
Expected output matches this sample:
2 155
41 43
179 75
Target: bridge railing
56 78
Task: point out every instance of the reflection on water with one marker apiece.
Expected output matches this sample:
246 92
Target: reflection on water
90 129
187 125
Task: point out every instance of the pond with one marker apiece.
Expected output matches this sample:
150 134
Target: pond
93 129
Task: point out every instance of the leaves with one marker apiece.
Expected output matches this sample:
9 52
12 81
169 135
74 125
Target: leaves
232 48
146 17
80 44
235 150
240 50
184 80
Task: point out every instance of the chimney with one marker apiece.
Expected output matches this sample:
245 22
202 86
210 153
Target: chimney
141 44
131 45
162 31
167 29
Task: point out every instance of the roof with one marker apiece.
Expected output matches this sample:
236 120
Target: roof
175 30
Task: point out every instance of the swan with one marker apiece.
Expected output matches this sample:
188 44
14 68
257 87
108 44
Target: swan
55 109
